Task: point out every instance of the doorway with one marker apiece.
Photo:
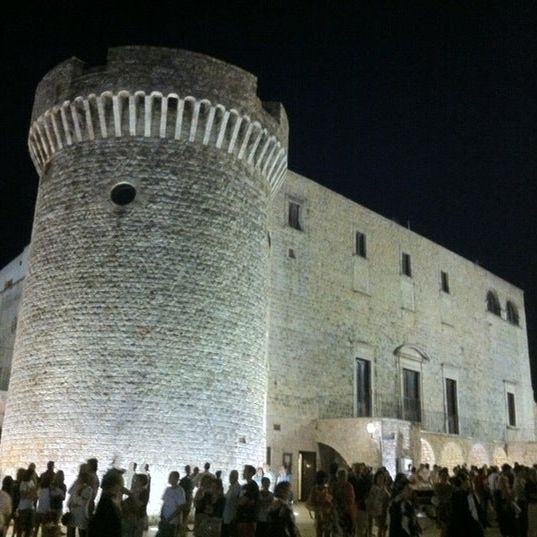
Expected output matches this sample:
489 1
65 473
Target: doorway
307 468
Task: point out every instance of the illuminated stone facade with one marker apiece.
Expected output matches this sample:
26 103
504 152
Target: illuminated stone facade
143 332
11 284
145 327
330 306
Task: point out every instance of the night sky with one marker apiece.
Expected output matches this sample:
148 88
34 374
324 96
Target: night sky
427 116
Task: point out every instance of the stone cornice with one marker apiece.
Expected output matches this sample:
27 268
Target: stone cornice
185 119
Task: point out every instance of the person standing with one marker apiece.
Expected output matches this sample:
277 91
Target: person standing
377 504
283 475
188 486
79 504
464 516
403 520
92 466
28 497
280 514
43 514
345 505
229 527
173 501
320 502
134 507
259 476
442 501
504 503
210 508
268 473
16 496
265 501
49 472
6 504
58 491
206 472
106 522
531 496
247 504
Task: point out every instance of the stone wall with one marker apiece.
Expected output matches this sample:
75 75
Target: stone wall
330 306
11 283
142 335
144 330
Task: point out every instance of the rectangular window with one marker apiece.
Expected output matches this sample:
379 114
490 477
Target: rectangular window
268 455
360 245
293 217
444 281
411 395
363 388
406 267
451 407
511 409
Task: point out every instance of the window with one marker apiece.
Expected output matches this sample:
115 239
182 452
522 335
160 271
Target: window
493 304
452 407
512 313
511 410
293 217
268 455
444 280
363 388
406 267
411 395
123 194
360 245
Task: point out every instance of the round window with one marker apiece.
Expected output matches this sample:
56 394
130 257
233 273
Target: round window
123 194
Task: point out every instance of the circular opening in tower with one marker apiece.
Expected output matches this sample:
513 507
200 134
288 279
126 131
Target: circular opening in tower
123 194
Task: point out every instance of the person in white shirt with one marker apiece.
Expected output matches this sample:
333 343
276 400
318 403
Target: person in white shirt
43 503
493 480
173 500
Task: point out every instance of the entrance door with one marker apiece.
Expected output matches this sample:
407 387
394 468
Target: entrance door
307 467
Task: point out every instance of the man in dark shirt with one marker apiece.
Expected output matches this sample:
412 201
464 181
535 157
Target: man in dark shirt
188 487
106 522
49 473
247 504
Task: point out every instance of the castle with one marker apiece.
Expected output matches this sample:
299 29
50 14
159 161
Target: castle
186 298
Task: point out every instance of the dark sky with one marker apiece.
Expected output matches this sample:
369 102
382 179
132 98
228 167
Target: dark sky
428 116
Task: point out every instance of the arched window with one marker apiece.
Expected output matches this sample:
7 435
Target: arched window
512 313
493 304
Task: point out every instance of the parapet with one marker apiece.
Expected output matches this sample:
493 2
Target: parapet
159 93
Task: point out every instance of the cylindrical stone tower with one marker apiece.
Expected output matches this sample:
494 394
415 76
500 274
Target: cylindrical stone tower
142 333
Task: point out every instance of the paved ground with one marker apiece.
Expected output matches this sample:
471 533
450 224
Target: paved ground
305 524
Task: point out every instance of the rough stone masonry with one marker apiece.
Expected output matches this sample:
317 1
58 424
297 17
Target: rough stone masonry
143 332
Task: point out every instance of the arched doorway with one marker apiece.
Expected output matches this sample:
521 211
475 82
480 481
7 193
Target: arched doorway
499 456
451 455
478 456
427 453
328 455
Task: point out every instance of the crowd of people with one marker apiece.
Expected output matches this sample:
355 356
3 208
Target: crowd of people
195 502
355 502
352 503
